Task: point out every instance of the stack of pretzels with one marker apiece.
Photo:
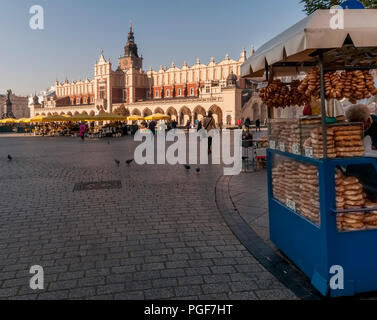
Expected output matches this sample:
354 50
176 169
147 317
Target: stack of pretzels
349 141
285 182
349 195
275 94
298 182
311 85
357 85
333 86
309 204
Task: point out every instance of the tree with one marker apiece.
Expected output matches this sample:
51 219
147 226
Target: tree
122 111
313 5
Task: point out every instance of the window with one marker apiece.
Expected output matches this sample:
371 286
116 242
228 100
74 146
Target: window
92 99
191 91
208 90
168 93
156 94
102 92
85 100
124 95
179 92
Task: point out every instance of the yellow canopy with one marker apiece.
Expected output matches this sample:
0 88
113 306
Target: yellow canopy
37 119
56 118
158 116
23 120
8 120
80 117
109 117
135 118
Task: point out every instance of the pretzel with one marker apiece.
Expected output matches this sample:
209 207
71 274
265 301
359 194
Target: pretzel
356 203
345 138
350 181
351 143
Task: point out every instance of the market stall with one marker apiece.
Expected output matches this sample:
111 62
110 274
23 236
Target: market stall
321 215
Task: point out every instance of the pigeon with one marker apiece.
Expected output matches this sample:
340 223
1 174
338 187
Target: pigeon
108 142
129 161
198 170
10 157
117 162
187 167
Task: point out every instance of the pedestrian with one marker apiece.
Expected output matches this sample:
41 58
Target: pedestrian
257 125
247 122
200 125
152 127
82 130
366 173
209 124
360 113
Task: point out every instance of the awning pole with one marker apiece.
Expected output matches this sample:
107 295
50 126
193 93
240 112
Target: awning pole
323 104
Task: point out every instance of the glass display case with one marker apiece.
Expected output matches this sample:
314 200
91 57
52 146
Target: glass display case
295 184
303 136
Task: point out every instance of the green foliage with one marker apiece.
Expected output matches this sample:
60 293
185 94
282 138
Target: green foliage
313 5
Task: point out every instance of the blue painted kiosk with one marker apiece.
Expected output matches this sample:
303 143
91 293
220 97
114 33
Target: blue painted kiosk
317 248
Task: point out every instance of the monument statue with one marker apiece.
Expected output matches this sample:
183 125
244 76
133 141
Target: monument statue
9 92
8 112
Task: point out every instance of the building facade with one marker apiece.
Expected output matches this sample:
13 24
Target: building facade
185 93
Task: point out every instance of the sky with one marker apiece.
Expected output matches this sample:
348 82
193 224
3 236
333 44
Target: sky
166 31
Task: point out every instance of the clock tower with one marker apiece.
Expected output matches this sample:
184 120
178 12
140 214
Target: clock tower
131 59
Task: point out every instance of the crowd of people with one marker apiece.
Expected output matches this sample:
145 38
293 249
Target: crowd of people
84 129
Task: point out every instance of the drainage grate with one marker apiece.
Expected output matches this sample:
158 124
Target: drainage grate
98 185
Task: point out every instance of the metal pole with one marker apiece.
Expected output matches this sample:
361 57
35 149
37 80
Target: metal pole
323 104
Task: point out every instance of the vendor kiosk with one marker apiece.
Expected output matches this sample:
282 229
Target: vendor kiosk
321 218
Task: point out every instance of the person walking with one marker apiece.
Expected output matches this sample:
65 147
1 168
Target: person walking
247 122
82 131
200 126
209 124
257 125
152 127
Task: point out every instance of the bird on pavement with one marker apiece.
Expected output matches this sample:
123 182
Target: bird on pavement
128 162
197 170
117 162
187 167
10 157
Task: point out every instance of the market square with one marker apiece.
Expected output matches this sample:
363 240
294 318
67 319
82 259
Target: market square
249 177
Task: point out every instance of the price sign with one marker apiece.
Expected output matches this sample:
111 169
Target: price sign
291 204
282 146
309 152
272 144
295 148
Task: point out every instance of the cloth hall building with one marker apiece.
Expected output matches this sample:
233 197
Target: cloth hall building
185 93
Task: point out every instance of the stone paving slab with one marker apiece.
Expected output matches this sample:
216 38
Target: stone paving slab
158 237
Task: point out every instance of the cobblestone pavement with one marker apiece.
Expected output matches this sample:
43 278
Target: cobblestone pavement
249 192
160 236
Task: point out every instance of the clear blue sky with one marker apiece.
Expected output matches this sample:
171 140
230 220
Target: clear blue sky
165 31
